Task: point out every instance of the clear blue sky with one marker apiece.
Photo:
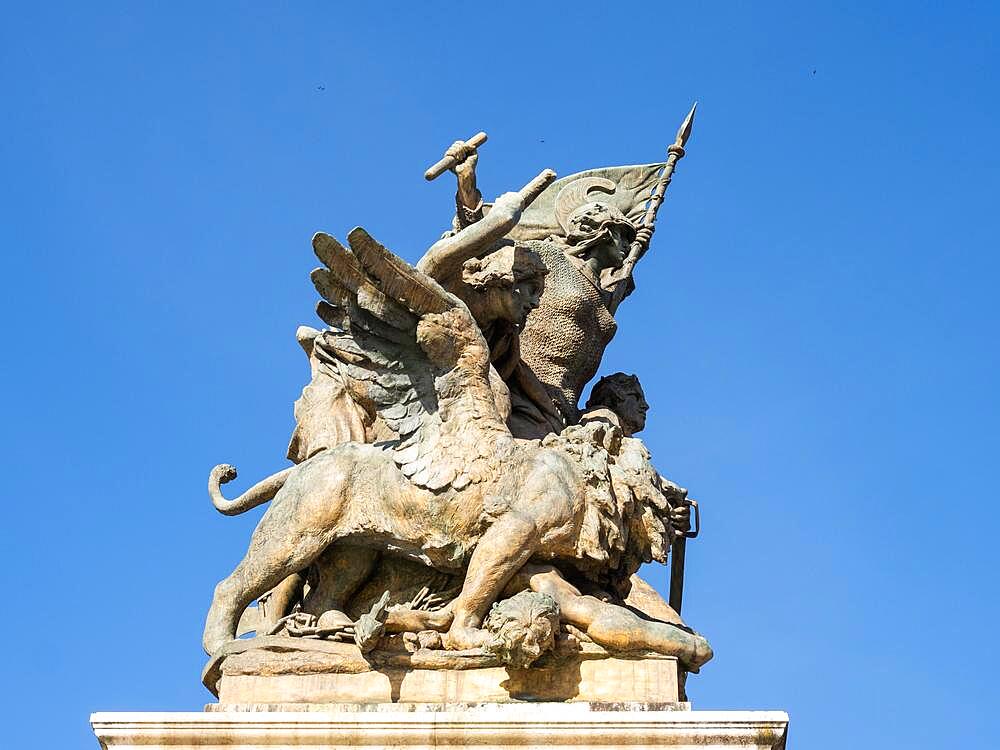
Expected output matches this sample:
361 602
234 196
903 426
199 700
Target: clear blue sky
815 326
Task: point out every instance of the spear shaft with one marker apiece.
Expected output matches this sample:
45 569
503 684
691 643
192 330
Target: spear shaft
675 152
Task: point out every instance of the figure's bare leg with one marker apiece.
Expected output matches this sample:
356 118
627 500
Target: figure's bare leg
647 601
616 627
340 570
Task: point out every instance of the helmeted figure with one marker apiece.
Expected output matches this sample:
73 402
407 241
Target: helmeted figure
566 338
581 229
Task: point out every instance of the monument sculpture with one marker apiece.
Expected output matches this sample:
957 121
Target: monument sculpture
455 528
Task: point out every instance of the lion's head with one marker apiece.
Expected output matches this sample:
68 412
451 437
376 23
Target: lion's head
627 510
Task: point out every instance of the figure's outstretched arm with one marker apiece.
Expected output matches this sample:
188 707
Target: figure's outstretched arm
446 256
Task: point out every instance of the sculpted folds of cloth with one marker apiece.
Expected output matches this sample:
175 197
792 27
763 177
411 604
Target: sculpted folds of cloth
448 495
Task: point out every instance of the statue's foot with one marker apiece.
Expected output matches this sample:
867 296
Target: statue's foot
698 653
691 649
415 620
462 638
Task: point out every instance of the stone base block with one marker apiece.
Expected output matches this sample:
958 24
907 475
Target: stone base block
555 726
647 680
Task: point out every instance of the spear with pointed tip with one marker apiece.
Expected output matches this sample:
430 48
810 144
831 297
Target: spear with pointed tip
675 152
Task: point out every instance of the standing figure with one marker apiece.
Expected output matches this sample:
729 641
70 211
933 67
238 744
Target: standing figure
565 340
490 274
589 244
590 230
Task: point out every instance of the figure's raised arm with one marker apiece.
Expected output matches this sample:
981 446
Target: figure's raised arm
461 158
468 199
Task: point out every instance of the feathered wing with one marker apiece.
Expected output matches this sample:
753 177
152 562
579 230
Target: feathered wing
412 355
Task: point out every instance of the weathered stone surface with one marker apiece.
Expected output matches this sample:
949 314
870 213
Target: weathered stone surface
648 679
410 445
554 726
273 670
439 706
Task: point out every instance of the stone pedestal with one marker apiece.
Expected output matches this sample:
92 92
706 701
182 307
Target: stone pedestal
607 680
556 726
327 695
271 670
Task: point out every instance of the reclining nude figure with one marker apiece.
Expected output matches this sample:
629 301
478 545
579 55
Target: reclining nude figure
450 486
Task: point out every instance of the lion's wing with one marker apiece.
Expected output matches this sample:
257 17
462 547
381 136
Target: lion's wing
373 302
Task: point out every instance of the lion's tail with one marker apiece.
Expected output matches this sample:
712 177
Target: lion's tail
260 493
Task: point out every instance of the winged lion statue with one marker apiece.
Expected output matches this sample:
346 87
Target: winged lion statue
448 485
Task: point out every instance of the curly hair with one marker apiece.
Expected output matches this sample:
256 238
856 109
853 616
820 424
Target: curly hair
522 628
503 268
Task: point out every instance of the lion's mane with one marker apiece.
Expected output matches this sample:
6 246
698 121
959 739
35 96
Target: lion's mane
627 506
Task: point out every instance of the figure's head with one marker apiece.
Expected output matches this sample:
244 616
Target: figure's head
595 228
508 282
522 628
601 233
622 394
